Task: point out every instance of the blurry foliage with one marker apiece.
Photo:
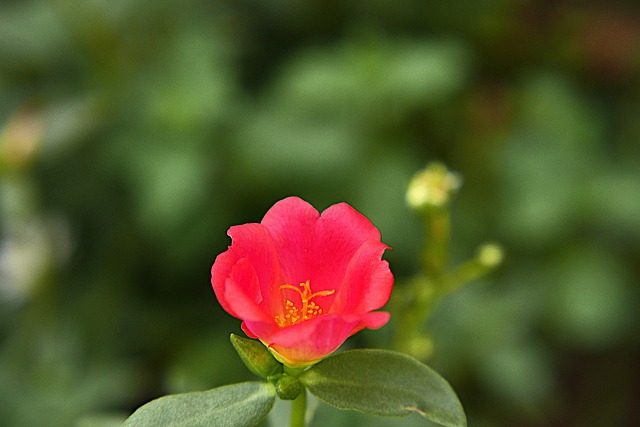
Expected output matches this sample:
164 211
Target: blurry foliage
133 134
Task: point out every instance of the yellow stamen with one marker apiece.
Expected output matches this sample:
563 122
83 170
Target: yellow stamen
309 308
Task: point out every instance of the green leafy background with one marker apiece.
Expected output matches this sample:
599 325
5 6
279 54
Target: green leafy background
157 125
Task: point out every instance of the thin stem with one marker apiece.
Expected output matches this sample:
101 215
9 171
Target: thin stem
436 251
410 337
423 292
298 410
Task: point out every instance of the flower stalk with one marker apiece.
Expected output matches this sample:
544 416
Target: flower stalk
299 411
435 256
429 194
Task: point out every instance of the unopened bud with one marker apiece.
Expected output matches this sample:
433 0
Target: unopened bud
256 357
288 387
432 187
490 255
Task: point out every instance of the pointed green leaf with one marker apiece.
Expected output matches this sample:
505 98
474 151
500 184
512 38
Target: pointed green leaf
237 405
384 383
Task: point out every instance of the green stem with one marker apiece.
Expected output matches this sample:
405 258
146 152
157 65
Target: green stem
298 410
415 310
436 252
424 291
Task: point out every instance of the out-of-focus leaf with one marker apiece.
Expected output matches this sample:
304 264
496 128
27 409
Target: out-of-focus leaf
590 299
101 421
550 158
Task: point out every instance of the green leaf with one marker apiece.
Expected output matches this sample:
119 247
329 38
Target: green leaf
237 405
384 383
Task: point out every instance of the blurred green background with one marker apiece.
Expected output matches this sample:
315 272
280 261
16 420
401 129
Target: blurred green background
133 134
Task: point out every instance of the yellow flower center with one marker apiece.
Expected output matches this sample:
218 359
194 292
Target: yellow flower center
309 308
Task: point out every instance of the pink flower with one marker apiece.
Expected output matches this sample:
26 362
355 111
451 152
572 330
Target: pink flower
302 282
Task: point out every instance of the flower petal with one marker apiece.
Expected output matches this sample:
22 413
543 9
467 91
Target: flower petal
291 222
260 329
316 247
220 272
243 300
312 340
252 242
373 320
340 231
367 283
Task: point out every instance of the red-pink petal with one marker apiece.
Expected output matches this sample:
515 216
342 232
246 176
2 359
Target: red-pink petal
340 232
220 272
373 320
253 243
291 222
312 340
367 283
349 226
247 331
316 247
242 293
261 329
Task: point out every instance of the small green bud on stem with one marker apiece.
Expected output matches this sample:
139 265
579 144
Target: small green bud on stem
432 187
490 255
287 387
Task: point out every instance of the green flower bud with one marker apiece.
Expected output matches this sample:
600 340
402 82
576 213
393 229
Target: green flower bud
256 357
490 255
288 387
432 187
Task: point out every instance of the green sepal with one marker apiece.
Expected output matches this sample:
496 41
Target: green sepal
384 383
287 387
256 357
237 405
